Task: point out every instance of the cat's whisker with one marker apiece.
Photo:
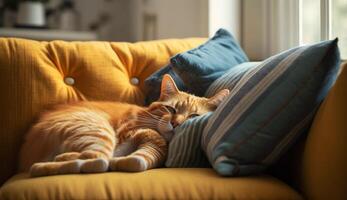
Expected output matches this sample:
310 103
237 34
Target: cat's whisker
152 123
151 116
146 119
149 124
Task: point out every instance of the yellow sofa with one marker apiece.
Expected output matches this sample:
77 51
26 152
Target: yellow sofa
34 75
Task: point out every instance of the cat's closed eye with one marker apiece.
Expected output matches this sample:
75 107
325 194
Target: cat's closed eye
193 115
171 109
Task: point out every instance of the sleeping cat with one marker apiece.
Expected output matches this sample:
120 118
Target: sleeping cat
90 137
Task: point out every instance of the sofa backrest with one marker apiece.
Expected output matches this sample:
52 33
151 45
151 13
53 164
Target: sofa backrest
34 75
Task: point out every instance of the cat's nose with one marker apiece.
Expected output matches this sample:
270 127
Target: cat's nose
174 123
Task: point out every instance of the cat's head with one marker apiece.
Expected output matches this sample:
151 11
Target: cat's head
176 106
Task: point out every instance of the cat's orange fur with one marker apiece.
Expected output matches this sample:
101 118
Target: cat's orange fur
91 137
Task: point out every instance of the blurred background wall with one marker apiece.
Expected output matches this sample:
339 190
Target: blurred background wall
133 20
263 27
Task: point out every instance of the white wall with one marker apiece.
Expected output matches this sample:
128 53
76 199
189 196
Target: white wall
174 19
118 28
194 18
181 18
120 11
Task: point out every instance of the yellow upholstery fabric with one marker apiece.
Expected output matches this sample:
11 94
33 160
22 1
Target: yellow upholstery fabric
323 167
32 77
167 183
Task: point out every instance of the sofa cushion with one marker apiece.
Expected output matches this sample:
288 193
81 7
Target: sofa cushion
34 75
193 183
271 105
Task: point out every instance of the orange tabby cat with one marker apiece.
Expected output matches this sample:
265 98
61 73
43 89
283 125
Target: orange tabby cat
89 137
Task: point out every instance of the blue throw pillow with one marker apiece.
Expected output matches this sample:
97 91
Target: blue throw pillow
269 106
199 67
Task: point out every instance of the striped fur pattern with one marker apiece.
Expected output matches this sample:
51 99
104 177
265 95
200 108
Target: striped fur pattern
92 137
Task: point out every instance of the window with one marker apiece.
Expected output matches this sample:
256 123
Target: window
324 19
271 26
310 23
339 24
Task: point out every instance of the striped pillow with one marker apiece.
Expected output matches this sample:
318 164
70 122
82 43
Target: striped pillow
230 78
185 149
269 106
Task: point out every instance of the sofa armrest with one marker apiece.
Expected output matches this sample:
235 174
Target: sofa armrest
321 168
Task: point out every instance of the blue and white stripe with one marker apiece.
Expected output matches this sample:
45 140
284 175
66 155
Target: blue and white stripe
259 87
185 148
269 106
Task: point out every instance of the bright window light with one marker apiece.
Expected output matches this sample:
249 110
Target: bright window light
324 19
310 24
339 24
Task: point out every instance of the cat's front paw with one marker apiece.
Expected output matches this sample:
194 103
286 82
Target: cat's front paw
128 164
94 166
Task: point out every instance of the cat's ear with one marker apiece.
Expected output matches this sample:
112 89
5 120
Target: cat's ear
168 87
219 97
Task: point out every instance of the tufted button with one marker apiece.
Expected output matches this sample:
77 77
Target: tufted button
134 81
69 81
